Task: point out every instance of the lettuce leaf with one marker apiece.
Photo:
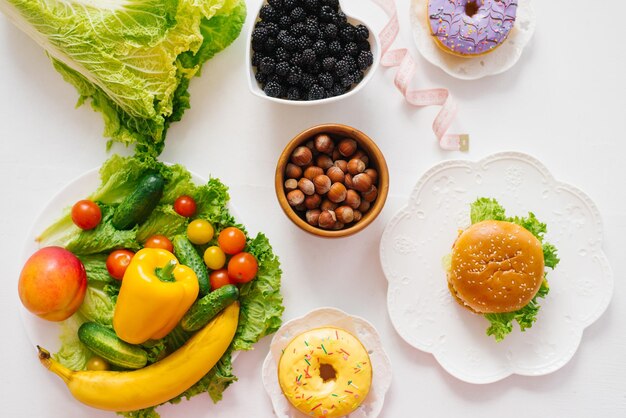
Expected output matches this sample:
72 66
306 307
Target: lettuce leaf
132 60
501 324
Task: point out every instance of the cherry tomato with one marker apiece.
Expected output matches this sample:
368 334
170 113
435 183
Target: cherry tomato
214 258
159 241
231 240
185 206
86 214
97 363
219 278
199 231
117 262
242 268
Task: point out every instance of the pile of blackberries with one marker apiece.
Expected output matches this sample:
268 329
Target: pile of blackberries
307 50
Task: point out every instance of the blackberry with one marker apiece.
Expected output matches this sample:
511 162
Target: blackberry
351 63
290 4
314 68
268 13
351 49
364 45
327 14
333 4
281 54
312 5
326 80
357 77
267 65
298 29
290 43
362 33
347 33
304 42
282 68
340 18
328 63
316 92
273 89
277 4
365 60
284 22
261 78
276 78
293 93
256 58
298 14
259 34
270 45
258 46
295 76
319 47
342 68
330 32
347 80
308 56
337 90
312 29
296 59
271 28
334 48
307 81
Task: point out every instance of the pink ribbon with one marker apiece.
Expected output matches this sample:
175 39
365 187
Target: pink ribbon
420 98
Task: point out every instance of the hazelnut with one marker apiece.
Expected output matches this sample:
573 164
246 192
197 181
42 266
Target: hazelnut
361 182
338 226
322 184
364 206
336 155
313 201
306 186
328 205
302 156
312 172
300 207
361 155
343 164
295 197
356 166
353 199
372 173
327 219
347 147
357 215
347 180
335 174
291 184
311 145
337 193
344 214
312 216
324 161
370 195
324 143
292 171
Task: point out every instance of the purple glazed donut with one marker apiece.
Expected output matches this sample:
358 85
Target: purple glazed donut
469 28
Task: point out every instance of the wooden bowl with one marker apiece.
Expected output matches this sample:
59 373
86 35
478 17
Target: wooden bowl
376 161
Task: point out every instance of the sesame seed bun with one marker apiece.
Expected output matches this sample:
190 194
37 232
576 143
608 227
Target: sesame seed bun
496 267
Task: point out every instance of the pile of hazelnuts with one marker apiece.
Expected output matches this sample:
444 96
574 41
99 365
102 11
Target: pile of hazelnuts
328 182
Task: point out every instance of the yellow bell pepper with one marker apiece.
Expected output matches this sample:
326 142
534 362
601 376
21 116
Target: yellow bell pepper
155 294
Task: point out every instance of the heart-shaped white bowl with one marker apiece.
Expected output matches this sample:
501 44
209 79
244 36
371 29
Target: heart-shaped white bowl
256 89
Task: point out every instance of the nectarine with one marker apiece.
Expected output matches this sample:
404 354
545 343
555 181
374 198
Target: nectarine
53 283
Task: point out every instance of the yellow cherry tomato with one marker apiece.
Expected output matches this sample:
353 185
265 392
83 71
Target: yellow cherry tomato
97 363
199 231
214 258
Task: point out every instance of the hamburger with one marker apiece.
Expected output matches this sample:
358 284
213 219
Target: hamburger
497 267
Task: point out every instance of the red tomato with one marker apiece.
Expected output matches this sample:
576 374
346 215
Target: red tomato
86 214
117 262
159 241
231 240
185 206
219 278
242 268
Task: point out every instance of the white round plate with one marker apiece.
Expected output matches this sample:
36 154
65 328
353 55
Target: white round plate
498 61
322 317
419 235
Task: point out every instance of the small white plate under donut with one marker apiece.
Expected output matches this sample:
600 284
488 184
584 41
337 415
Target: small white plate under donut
323 317
471 68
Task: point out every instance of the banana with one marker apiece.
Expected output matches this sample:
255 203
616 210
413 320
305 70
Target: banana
157 383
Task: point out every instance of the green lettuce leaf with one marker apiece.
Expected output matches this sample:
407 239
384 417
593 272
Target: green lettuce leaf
142 413
98 306
131 59
164 221
73 354
96 268
484 209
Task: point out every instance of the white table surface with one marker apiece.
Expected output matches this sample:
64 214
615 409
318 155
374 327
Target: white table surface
564 102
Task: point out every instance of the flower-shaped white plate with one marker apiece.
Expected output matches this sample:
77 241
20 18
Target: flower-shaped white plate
363 330
419 235
495 62
255 88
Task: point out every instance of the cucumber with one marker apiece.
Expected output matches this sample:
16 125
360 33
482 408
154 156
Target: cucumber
205 309
138 205
188 256
104 342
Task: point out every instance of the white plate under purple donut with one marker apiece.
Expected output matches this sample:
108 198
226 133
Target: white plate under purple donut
498 61
419 235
